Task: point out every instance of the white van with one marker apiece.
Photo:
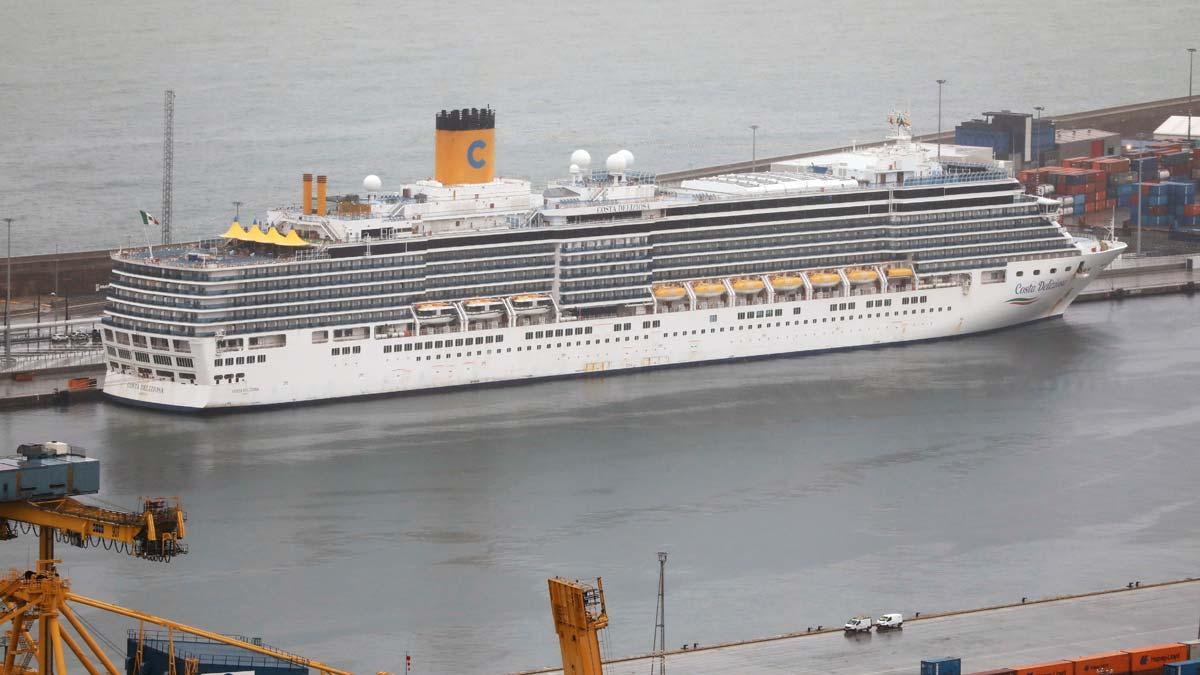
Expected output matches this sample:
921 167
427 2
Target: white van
859 624
890 621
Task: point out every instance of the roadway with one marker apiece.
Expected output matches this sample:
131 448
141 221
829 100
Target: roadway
984 639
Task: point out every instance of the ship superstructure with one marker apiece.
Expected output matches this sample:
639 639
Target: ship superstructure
468 278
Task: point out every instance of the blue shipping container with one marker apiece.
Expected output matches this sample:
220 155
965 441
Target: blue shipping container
946 666
1191 667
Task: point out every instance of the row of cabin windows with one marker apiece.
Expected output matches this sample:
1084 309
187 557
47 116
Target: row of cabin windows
240 360
1053 270
159 359
147 373
345 351
140 341
764 312
651 324
559 332
388 349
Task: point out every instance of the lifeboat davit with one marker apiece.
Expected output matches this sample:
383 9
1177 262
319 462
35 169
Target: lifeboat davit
860 277
483 309
748 286
669 293
786 283
824 279
708 289
530 303
900 273
435 313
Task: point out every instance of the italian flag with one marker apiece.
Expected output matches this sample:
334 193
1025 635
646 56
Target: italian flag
148 219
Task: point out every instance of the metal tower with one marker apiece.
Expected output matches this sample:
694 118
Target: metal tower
168 161
660 619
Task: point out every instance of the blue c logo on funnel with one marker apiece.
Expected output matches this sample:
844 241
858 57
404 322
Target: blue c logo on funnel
471 149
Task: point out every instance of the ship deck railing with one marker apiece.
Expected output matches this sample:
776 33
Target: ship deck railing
213 254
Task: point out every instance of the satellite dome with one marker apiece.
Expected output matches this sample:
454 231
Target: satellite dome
581 157
615 163
627 155
574 169
372 183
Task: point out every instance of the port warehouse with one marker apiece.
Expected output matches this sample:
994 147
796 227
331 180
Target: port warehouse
80 272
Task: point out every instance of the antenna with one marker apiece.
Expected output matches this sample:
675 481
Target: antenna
168 161
660 619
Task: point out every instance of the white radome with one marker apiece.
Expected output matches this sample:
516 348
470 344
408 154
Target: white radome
628 157
372 183
615 163
574 169
581 157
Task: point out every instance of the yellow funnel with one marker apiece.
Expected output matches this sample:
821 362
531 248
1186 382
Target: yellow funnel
466 143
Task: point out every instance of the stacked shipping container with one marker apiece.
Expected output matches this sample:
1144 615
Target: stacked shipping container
1141 661
1155 181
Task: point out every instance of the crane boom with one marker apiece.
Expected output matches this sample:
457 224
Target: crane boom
155 533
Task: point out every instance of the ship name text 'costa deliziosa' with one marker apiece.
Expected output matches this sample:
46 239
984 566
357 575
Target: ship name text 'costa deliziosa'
471 279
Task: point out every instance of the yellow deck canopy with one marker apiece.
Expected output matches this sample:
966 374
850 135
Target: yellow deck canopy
254 234
273 237
293 239
235 231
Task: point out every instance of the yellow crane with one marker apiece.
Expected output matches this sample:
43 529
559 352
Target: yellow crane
579 616
37 491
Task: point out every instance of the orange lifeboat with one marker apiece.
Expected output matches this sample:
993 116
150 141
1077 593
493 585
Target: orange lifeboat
748 286
860 277
824 280
669 293
708 289
786 283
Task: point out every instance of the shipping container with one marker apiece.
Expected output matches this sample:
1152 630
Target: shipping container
1190 667
1051 668
1113 663
1152 659
946 666
998 671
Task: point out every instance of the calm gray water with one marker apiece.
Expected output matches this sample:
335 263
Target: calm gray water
1052 458
267 91
789 493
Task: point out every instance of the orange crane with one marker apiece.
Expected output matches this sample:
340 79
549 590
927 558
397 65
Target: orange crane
579 616
37 493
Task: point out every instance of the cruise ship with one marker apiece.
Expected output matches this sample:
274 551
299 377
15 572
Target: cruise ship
468 278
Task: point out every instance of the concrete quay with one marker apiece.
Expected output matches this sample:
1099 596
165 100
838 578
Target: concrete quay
994 637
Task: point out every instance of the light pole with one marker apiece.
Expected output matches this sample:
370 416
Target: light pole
940 83
8 295
753 148
1140 206
1039 109
237 212
1191 55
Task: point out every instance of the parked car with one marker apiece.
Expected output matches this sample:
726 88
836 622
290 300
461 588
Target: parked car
59 338
80 336
889 622
859 624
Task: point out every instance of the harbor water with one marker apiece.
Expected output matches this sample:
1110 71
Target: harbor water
268 91
1046 459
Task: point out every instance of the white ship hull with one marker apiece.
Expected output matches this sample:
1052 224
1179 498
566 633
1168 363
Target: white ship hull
303 371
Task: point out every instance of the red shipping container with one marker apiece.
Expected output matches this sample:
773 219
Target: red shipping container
1157 210
1097 148
1053 668
1191 210
1152 659
1114 663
